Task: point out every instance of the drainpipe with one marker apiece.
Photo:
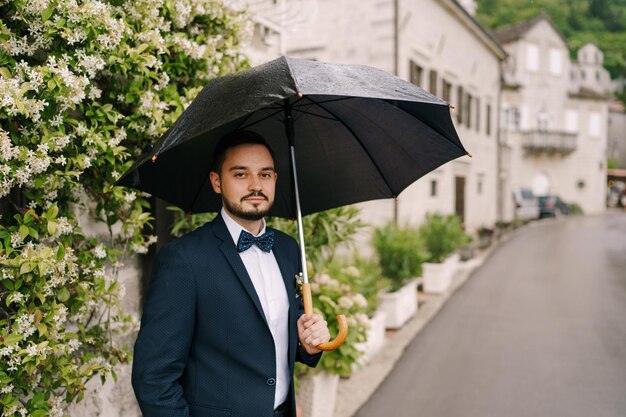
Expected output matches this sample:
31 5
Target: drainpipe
498 130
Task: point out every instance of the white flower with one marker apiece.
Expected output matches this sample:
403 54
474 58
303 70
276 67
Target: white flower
352 271
6 351
25 325
95 93
141 249
130 197
345 302
16 239
73 345
360 300
7 150
322 279
363 319
99 252
31 350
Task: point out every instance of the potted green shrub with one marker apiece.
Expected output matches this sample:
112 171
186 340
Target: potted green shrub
401 253
442 235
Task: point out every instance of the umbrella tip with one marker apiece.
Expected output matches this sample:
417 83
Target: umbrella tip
154 158
468 154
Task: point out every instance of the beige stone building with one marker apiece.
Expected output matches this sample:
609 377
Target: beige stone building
554 117
436 44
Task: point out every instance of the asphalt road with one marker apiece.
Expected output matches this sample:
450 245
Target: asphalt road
538 330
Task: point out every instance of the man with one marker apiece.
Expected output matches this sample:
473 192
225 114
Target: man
222 324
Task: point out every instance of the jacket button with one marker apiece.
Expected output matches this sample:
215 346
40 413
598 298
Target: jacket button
271 381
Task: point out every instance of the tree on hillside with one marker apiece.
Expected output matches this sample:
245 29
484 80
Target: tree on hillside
84 87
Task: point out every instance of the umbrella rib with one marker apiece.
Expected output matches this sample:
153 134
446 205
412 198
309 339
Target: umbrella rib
317 115
280 109
360 143
332 100
257 121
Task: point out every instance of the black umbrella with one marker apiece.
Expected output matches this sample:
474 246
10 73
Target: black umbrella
355 134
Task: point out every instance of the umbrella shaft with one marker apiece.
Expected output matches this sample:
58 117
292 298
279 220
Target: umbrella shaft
305 275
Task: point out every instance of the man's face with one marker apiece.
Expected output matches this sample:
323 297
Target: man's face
247 181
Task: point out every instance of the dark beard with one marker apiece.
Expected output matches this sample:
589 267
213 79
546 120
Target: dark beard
246 215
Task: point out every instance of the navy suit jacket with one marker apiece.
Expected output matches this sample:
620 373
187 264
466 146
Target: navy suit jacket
204 348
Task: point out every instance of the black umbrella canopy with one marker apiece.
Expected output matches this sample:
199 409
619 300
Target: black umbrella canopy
359 134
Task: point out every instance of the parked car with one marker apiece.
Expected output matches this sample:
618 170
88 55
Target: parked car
526 204
552 206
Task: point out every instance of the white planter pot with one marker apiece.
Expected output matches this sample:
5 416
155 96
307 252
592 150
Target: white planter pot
399 306
375 337
438 277
317 394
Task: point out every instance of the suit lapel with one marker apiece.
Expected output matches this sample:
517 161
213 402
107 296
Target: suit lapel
229 250
289 278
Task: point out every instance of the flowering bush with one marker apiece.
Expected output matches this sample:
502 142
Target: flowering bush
324 232
364 277
84 87
330 298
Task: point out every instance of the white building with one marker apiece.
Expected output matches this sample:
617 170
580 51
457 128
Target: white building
435 44
554 117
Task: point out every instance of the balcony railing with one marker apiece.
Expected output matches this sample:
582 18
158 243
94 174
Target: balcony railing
537 141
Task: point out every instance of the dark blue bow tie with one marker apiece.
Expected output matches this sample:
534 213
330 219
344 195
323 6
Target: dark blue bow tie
264 242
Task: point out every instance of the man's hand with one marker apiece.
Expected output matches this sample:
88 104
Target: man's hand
312 330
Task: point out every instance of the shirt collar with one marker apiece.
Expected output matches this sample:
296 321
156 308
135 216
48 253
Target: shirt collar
235 228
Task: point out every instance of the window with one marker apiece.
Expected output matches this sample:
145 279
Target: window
415 74
532 57
468 117
477 114
433 188
555 61
522 118
571 121
542 121
595 124
597 75
446 91
459 109
479 185
432 82
488 121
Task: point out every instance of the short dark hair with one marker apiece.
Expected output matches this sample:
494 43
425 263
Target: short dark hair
233 139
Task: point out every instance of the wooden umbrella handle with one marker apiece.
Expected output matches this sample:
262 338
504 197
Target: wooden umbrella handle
341 319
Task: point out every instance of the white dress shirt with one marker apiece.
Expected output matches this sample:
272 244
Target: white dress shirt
270 288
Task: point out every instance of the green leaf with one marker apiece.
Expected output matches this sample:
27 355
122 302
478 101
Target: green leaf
27 267
43 329
13 338
52 228
60 252
52 212
46 13
24 231
63 295
33 232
